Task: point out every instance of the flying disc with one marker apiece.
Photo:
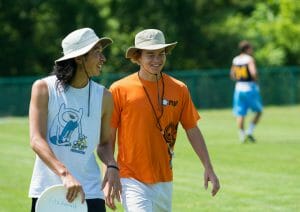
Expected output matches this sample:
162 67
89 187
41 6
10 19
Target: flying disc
54 199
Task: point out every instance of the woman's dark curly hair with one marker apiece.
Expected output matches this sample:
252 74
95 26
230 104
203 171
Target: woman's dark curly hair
64 71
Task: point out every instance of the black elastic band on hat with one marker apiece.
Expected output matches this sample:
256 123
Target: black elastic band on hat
89 98
89 81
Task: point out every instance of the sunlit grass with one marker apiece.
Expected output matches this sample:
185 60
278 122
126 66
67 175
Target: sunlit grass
264 176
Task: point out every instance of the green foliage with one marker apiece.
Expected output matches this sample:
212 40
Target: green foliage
33 30
207 31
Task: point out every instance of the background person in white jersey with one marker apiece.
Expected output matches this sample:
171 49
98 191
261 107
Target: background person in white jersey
246 94
69 117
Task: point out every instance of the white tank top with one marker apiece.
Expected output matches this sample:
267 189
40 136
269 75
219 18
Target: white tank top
242 59
248 85
73 137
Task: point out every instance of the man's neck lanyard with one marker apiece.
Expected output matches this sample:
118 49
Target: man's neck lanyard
161 108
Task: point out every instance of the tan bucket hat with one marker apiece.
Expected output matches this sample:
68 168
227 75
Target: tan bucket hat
150 39
80 41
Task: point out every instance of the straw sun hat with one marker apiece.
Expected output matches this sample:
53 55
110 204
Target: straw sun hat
81 41
149 39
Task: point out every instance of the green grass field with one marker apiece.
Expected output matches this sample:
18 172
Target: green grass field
264 176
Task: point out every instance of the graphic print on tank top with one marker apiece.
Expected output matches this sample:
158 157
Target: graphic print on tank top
66 129
242 73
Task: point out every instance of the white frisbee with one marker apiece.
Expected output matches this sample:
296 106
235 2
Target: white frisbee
54 199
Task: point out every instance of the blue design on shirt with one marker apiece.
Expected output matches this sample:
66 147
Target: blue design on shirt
66 129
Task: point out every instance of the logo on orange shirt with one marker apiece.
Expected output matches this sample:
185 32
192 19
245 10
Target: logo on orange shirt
166 102
170 133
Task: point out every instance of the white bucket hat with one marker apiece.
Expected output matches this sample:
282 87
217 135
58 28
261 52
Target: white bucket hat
81 41
149 39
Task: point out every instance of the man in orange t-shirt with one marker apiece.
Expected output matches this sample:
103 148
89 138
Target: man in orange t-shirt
148 106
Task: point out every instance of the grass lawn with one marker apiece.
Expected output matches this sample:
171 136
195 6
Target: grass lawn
264 176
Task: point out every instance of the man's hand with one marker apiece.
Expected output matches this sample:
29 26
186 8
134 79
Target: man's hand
73 187
112 186
209 175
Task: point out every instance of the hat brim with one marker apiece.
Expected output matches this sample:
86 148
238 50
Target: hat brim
130 51
105 41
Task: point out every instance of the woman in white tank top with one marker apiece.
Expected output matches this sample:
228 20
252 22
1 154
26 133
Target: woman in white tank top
69 118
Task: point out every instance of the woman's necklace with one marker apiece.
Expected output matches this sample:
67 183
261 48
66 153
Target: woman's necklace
157 118
160 101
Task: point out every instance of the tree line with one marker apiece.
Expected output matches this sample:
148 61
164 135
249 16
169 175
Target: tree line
207 31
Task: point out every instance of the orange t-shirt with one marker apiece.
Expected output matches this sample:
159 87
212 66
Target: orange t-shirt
142 148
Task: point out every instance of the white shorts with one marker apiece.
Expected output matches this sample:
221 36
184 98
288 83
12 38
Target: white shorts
141 197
